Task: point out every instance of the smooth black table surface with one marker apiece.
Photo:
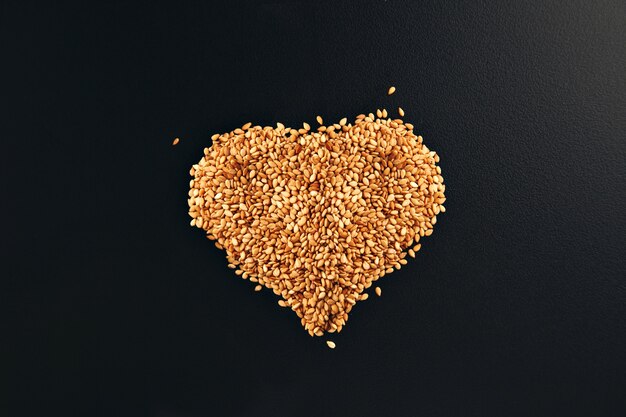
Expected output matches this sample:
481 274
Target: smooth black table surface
114 306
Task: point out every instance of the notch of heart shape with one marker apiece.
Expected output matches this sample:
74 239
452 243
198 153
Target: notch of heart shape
317 216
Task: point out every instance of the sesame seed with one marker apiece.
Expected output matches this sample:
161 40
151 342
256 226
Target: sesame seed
318 216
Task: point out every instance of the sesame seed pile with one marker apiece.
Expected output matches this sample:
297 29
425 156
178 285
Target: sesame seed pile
318 215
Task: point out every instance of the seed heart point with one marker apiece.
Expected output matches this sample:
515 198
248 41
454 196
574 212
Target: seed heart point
318 215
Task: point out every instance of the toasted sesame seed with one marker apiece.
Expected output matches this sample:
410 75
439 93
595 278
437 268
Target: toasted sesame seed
378 291
331 344
319 120
400 112
318 216
391 90
175 142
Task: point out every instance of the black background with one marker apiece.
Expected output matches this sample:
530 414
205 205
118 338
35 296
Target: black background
116 307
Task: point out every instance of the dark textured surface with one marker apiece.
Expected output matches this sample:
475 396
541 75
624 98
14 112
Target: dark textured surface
516 306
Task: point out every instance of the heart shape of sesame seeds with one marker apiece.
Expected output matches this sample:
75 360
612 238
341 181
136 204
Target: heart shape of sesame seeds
318 216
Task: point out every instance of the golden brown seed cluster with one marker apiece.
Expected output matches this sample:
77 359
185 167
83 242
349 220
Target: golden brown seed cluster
318 216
